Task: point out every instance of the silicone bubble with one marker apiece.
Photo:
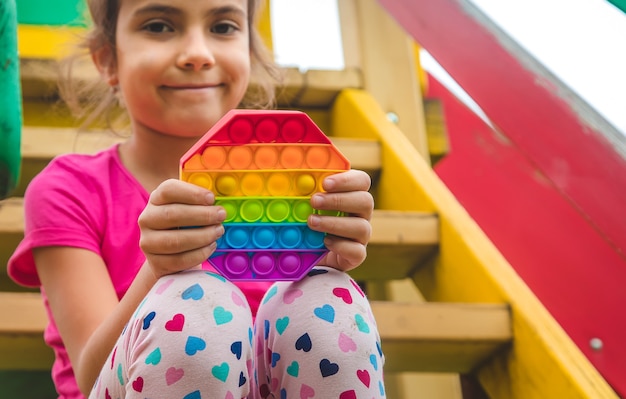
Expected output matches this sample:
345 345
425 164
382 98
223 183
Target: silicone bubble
263 167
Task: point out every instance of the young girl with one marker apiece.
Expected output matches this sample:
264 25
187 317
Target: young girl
135 311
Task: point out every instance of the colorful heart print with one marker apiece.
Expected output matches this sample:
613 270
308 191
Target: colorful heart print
263 167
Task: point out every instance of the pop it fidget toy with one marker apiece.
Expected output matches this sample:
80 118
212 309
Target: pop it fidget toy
263 167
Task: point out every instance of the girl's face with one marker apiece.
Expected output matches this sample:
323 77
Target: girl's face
181 64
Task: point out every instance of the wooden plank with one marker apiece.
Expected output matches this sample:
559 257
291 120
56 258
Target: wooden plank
21 332
24 352
22 313
321 87
11 233
41 144
432 337
311 88
438 141
400 241
388 64
440 337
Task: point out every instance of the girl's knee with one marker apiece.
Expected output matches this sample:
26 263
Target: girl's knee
319 331
193 324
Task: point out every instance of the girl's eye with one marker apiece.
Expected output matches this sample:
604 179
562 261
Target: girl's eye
224 28
157 27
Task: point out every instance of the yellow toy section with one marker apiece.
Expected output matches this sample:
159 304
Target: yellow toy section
446 301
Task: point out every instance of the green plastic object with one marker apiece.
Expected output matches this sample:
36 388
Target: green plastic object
46 12
621 4
10 100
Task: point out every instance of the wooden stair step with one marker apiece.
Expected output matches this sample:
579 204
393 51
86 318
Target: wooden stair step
310 88
441 337
11 233
21 332
400 240
426 337
41 144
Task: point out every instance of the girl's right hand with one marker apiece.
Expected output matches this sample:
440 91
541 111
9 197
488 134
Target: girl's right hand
179 227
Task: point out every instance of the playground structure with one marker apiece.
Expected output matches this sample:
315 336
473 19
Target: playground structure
476 313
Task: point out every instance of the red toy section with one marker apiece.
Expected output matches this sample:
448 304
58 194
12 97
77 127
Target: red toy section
549 191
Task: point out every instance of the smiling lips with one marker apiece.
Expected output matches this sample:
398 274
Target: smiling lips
191 86
193 92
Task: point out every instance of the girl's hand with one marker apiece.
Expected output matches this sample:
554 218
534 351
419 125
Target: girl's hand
179 227
347 236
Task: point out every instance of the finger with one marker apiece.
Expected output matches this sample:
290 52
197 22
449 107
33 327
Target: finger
354 228
173 216
172 242
357 203
171 263
344 254
177 191
351 180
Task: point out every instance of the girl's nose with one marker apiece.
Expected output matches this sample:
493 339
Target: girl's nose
196 53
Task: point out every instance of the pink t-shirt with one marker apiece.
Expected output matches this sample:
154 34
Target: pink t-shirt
90 202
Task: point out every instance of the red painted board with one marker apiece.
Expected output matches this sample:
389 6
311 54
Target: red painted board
549 189
558 253
527 107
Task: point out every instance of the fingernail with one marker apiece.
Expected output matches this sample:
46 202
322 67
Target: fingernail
219 230
315 220
210 198
221 214
329 183
317 201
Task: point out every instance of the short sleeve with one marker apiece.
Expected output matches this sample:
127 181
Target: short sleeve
60 209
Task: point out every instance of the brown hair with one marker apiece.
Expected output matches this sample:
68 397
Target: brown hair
92 101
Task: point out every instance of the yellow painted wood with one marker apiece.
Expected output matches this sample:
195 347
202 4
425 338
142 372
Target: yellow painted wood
438 142
55 42
543 362
46 42
422 76
264 25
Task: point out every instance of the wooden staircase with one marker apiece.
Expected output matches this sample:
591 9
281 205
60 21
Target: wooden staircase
479 318
474 316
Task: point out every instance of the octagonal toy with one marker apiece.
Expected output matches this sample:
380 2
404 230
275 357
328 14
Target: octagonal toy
263 167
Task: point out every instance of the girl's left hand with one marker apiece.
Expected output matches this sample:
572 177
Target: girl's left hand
347 236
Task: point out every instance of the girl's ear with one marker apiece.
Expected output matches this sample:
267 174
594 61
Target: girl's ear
104 59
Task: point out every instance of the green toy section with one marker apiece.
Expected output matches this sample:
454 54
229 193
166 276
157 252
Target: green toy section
45 12
10 100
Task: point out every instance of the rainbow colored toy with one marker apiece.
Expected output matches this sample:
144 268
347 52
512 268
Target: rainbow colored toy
263 167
